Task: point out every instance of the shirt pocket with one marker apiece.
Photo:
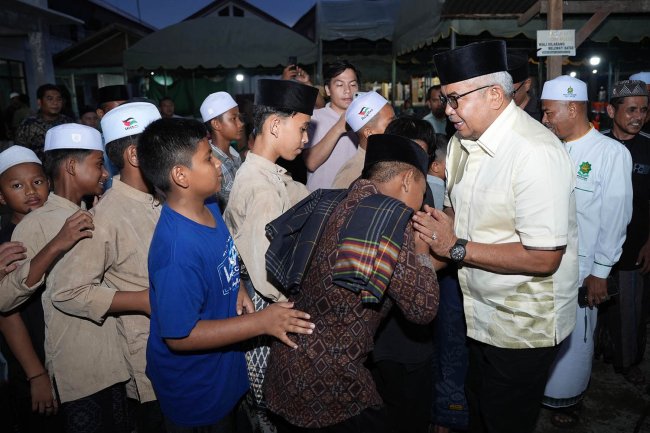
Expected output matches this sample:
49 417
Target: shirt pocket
585 185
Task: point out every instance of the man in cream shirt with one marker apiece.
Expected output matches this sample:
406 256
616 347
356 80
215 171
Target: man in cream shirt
511 225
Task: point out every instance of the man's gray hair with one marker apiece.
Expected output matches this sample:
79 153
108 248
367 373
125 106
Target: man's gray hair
501 79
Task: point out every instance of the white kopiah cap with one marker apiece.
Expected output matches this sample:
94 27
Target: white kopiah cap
363 108
128 119
73 136
16 155
642 76
216 104
13 95
565 88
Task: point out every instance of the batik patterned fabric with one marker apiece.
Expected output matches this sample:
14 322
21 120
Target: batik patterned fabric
324 381
369 244
31 133
257 355
294 235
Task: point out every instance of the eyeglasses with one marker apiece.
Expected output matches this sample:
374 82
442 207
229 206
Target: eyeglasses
453 100
520 86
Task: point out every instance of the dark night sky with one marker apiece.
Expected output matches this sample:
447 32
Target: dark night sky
161 13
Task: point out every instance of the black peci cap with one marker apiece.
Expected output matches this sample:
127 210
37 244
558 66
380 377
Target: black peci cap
286 95
388 147
472 60
117 92
518 67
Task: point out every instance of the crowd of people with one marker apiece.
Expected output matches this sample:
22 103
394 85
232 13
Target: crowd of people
454 272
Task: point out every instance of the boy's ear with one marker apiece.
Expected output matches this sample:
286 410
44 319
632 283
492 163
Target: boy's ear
131 155
179 176
2 199
70 166
407 180
215 124
274 125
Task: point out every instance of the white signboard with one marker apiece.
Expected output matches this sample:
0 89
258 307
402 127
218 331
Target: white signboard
556 43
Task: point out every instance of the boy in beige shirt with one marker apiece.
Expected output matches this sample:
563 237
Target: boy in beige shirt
107 274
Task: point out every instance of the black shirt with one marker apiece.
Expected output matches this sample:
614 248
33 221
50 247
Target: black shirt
639 227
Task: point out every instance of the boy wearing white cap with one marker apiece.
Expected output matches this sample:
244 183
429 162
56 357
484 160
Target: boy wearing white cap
24 188
89 372
603 194
107 273
368 114
220 114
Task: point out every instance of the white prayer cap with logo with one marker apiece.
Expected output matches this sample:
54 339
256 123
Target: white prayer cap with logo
641 76
128 119
73 136
216 104
16 155
363 108
565 88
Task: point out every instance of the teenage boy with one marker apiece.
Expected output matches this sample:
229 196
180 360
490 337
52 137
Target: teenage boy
221 116
262 191
24 188
105 275
367 259
193 361
370 113
330 144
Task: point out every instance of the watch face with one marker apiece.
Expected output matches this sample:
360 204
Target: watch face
457 253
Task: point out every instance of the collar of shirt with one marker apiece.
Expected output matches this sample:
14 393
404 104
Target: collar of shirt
490 139
62 202
132 193
266 165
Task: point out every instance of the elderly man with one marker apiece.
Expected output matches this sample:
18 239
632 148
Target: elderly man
511 224
603 193
625 318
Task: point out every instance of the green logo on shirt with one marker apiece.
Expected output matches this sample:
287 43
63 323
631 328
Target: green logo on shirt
585 168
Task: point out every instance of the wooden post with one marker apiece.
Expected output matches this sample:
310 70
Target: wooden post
554 22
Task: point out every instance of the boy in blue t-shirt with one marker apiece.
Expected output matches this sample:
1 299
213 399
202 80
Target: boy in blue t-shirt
197 370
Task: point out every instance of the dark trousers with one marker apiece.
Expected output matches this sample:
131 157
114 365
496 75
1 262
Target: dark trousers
225 425
504 387
406 390
622 321
105 411
146 417
369 421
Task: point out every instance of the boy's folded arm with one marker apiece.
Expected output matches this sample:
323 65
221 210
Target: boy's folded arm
14 289
78 226
276 320
137 301
76 280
